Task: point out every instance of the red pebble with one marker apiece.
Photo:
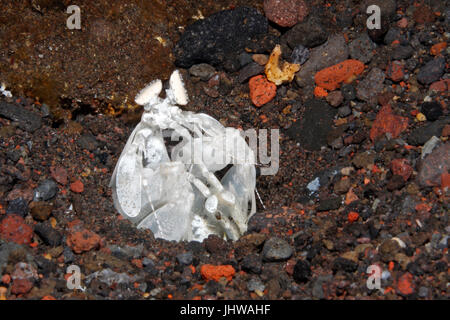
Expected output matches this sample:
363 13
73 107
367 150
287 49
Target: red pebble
405 284
211 272
441 85
320 92
13 228
331 78
438 48
77 186
59 174
387 122
353 216
395 71
261 90
84 240
285 13
402 168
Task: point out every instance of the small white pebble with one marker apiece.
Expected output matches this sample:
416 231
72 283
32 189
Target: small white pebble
313 186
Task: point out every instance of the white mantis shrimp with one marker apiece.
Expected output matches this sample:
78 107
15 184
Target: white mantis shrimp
179 197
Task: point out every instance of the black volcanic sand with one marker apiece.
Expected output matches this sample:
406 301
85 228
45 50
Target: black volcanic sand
72 111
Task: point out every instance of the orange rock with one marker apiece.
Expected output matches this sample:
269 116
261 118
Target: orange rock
405 284
77 186
437 48
320 92
84 240
350 197
353 216
331 78
261 90
212 272
13 228
387 122
423 207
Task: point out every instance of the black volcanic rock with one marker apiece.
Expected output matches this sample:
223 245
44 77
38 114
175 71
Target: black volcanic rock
220 37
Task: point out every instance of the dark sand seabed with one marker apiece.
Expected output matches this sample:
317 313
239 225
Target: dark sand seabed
383 180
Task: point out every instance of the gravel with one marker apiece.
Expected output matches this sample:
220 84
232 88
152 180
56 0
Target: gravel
347 194
276 249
